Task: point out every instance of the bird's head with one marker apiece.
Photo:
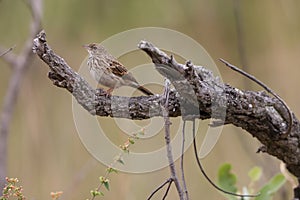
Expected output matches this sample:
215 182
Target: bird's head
94 49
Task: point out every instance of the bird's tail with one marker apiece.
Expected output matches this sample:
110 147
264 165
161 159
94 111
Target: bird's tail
144 90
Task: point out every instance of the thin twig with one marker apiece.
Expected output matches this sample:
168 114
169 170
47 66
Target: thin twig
102 183
169 152
113 164
170 180
290 120
185 191
164 106
240 37
297 191
7 51
167 190
242 53
206 176
8 56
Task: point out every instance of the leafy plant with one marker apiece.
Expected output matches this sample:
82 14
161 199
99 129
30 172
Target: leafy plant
104 180
267 191
227 180
12 190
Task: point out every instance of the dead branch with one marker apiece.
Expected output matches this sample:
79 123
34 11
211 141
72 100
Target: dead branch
164 106
197 89
19 64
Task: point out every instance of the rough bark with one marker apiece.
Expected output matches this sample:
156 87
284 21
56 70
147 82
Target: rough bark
197 89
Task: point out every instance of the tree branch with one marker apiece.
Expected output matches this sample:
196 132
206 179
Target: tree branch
19 63
168 181
7 55
164 106
185 191
256 112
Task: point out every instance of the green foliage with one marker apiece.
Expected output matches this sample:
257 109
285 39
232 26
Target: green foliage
255 174
131 140
95 193
267 191
104 181
227 181
111 170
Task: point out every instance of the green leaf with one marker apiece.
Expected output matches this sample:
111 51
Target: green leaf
104 181
131 140
106 184
271 187
110 170
255 174
120 160
227 180
95 193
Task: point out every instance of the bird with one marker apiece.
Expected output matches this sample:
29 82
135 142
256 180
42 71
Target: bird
108 71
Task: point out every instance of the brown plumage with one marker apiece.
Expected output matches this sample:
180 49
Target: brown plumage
108 71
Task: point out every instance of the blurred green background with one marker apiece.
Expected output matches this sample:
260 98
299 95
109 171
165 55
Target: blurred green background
45 152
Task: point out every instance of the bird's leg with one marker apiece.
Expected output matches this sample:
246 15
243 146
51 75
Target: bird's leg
109 92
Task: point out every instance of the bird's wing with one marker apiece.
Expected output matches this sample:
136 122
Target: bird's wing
119 70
